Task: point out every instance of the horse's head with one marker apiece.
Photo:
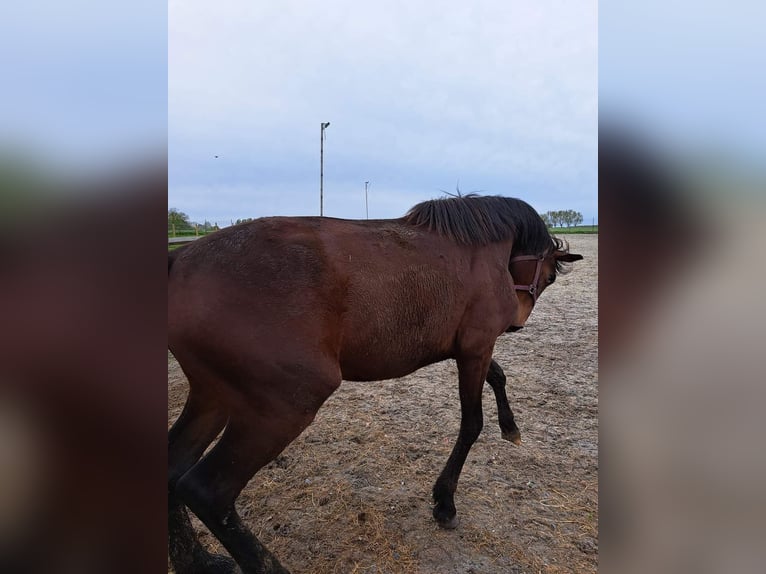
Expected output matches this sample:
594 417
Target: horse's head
533 273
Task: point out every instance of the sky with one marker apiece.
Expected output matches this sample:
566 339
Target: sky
496 97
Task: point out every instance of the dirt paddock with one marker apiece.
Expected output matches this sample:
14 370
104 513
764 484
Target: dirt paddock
353 493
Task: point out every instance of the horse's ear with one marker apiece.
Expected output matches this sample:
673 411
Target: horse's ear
568 257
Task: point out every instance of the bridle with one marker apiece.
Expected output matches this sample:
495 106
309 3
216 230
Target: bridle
532 287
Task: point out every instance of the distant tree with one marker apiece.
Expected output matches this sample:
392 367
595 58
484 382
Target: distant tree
206 226
178 220
560 218
551 218
548 218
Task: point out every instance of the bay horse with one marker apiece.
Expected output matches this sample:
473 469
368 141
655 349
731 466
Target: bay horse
267 318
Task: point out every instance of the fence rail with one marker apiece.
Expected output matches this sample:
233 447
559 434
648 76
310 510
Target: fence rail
181 240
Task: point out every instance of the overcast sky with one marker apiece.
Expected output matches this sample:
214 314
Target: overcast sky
496 96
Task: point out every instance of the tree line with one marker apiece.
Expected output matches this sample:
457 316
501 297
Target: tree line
568 217
178 221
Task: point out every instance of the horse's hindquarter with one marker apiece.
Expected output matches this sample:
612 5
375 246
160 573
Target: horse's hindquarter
260 298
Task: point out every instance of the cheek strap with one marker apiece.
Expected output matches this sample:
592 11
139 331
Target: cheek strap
532 287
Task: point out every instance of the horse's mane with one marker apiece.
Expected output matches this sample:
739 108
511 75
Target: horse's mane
478 220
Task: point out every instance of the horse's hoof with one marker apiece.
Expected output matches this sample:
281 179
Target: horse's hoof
449 524
514 436
446 517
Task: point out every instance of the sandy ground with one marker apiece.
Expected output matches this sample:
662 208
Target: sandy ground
353 493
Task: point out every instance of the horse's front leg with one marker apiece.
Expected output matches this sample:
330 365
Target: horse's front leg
496 379
471 372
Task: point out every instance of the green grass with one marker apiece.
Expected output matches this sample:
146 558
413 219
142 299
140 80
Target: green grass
574 229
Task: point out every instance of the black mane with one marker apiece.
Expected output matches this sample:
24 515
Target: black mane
479 220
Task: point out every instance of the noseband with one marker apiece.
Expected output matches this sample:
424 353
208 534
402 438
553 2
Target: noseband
532 287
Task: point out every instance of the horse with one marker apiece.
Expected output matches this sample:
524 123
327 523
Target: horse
266 319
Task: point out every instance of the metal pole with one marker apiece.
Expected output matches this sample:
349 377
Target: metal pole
321 171
322 126
366 208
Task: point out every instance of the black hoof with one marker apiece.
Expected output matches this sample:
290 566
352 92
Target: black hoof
449 524
445 518
513 435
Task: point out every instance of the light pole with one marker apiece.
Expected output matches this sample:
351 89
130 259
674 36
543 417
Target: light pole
323 126
366 209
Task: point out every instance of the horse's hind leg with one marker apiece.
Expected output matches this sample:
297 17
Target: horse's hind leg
199 423
253 437
197 426
186 553
496 379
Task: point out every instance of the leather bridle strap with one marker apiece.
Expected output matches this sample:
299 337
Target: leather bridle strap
532 287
